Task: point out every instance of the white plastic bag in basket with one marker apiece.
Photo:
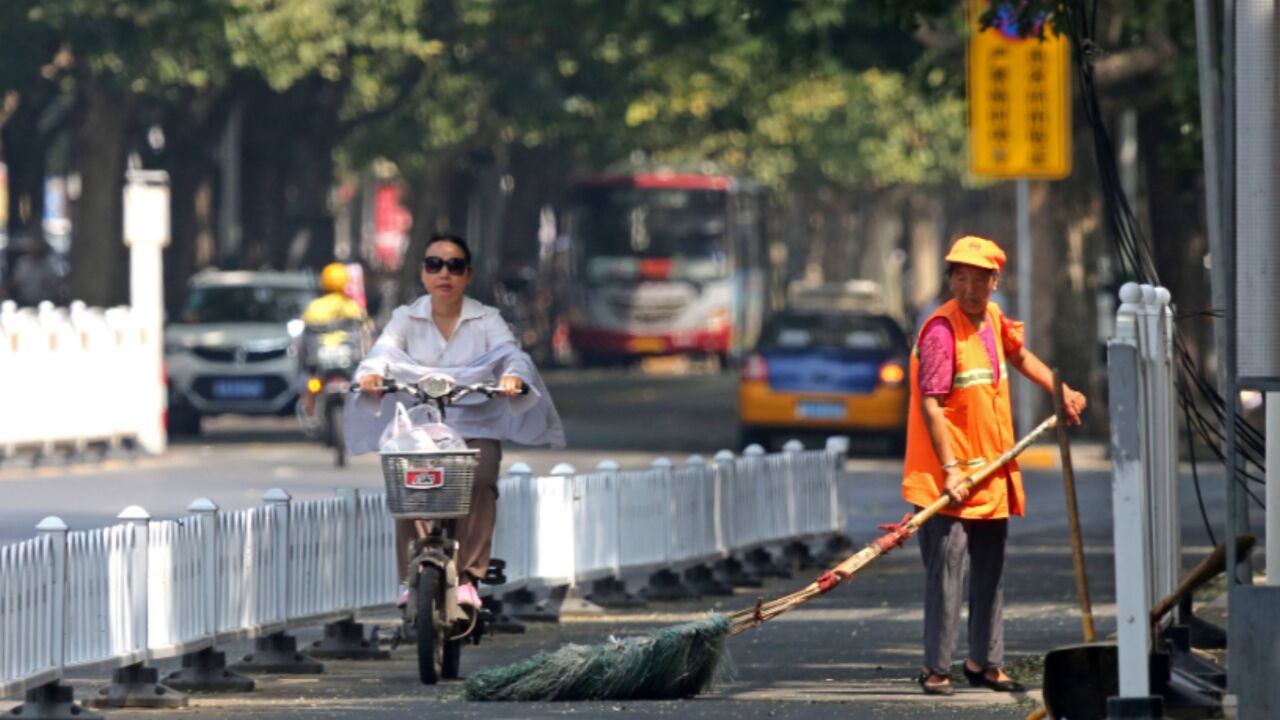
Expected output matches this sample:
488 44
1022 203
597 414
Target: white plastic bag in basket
402 435
419 430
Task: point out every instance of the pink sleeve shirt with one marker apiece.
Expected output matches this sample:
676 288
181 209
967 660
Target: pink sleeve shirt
938 353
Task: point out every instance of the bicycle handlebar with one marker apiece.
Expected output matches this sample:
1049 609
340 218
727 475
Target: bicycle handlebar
457 393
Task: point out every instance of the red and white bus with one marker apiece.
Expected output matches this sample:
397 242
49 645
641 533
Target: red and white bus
665 263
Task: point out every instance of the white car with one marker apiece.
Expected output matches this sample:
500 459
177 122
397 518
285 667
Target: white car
232 348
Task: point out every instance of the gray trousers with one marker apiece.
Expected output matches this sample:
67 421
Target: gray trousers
950 546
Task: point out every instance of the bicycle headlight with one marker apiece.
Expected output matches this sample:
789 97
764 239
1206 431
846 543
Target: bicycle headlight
436 386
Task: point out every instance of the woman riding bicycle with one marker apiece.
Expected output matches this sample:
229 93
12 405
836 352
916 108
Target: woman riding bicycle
446 331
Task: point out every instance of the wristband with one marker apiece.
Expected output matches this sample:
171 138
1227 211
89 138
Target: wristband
953 463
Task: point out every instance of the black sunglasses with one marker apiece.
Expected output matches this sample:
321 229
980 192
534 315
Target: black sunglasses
433 265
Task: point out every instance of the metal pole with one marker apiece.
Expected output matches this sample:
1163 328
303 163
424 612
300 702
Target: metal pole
1237 502
1026 409
1273 488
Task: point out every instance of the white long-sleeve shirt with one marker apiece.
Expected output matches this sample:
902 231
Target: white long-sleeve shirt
480 329
480 349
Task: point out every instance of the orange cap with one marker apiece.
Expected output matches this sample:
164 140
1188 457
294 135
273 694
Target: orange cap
976 251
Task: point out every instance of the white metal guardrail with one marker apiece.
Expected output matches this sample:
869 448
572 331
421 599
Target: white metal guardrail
1144 443
53 359
143 590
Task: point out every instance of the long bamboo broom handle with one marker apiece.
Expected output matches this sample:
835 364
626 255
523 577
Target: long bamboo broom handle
987 471
750 617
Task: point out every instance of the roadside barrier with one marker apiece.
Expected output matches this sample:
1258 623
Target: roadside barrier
120 597
52 360
1144 448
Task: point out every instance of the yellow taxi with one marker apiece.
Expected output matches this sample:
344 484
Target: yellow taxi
831 371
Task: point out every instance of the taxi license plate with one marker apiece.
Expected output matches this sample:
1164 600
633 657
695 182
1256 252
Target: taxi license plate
237 389
647 344
820 411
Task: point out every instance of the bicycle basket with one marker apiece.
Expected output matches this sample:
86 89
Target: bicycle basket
429 485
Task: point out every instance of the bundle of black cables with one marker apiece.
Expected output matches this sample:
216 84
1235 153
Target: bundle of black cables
1203 407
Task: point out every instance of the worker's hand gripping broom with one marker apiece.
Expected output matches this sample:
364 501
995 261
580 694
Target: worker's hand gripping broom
680 661
895 536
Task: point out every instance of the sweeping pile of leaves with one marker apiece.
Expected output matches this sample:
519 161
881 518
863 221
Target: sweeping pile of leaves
665 664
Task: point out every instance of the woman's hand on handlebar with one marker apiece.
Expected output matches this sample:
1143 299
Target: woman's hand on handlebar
372 384
511 385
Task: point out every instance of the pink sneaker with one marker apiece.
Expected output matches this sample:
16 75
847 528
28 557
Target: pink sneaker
403 599
467 595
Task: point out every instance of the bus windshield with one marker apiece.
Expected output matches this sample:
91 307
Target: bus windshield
614 227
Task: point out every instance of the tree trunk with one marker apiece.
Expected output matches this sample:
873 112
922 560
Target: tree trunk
288 171
99 260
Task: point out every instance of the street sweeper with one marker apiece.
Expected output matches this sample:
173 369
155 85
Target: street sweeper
960 419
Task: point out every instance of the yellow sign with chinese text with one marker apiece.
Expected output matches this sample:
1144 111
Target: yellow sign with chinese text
1019 101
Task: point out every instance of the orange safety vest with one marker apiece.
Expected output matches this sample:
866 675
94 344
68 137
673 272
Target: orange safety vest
979 425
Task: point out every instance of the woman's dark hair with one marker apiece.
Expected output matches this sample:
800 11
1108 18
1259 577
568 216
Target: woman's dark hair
455 239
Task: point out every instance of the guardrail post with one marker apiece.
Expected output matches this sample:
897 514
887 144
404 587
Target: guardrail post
611 592
568 599
803 506
665 584
1129 505
839 545
760 560
277 652
344 639
731 570
522 604
205 670
701 578
136 684
54 699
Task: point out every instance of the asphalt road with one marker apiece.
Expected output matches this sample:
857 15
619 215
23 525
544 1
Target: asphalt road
851 652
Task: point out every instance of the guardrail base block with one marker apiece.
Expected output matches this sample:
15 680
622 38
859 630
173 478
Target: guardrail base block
762 563
799 556
569 601
502 622
836 549
344 640
206 671
51 701
665 585
612 593
524 605
137 686
730 570
703 581
278 654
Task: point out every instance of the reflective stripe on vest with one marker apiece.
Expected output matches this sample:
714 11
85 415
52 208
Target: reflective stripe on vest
971 378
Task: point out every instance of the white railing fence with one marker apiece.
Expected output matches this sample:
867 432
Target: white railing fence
148 589
1143 408
84 371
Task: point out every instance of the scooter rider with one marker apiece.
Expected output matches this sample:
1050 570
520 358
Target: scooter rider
447 329
334 311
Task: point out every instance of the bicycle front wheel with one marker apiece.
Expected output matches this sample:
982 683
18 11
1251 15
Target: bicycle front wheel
431 641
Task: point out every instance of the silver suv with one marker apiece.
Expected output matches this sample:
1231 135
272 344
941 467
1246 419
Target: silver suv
232 348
